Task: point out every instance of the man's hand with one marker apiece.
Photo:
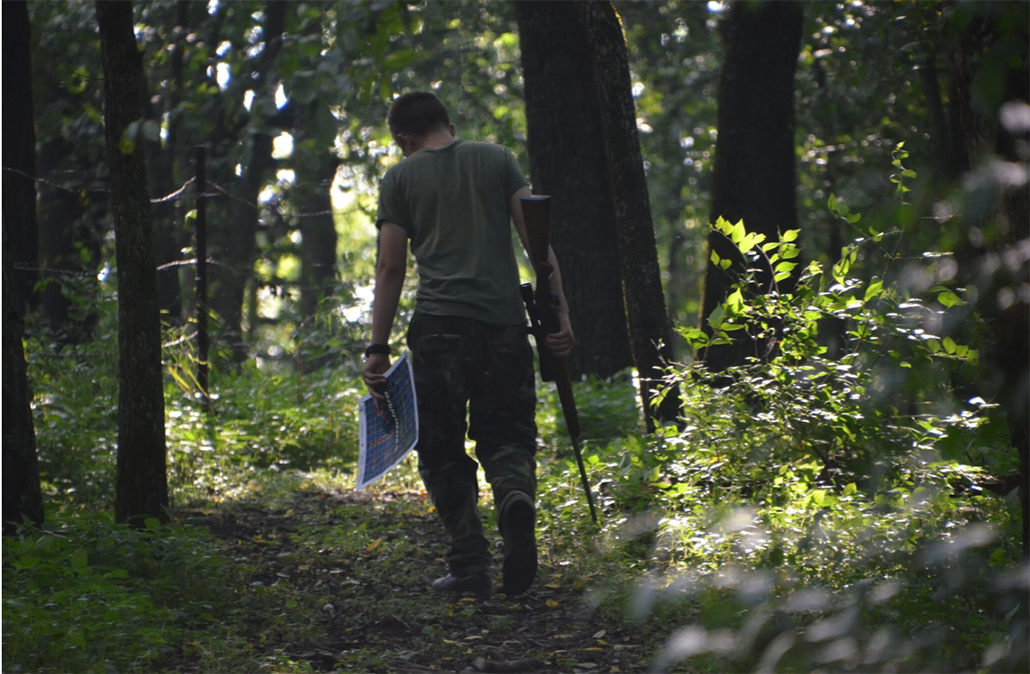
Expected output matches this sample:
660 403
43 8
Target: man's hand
560 343
374 375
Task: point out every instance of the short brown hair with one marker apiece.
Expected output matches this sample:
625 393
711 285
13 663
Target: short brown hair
418 113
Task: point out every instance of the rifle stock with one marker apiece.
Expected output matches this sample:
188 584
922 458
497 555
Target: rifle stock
542 306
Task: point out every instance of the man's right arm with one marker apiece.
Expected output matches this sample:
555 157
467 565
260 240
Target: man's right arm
560 343
391 269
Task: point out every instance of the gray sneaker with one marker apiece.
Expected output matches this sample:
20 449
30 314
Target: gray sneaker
518 523
477 583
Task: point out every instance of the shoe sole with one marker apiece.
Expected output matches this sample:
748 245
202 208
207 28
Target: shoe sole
520 558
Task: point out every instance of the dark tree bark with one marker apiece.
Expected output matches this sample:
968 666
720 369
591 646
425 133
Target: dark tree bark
997 215
163 178
69 246
650 333
19 152
754 176
317 229
142 483
23 498
567 160
238 248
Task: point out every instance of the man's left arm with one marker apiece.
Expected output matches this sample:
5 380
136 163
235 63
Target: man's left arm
391 269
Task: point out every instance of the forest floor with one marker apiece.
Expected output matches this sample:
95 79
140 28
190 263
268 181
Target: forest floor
340 580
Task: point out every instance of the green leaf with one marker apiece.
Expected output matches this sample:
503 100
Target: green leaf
152 523
738 232
714 257
949 299
790 235
735 302
79 560
850 489
716 317
399 59
949 345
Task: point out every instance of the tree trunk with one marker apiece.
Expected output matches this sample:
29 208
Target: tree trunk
649 330
997 216
239 243
142 484
318 233
19 153
754 176
169 235
23 498
567 161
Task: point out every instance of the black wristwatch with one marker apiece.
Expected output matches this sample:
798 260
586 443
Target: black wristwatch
377 349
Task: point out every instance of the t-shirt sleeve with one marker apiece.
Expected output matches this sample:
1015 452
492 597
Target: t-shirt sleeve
513 178
391 207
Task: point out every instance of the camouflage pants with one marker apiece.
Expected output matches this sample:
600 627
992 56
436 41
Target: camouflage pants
460 365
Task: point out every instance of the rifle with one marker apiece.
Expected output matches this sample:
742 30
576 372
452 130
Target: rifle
542 307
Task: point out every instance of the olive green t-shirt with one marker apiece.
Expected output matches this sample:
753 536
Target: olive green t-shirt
453 202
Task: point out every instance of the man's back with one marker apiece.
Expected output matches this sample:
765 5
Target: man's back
453 202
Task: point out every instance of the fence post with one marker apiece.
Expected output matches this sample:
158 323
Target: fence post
203 343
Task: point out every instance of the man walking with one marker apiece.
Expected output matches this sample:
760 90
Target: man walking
454 201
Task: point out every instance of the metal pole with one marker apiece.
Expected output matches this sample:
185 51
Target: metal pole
203 343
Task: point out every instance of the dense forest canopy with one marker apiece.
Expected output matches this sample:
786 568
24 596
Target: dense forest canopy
814 216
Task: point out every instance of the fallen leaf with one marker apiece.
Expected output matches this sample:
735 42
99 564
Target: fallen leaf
564 636
600 634
552 586
603 642
552 603
474 637
304 567
373 545
592 649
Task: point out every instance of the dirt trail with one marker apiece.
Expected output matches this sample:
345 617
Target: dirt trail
363 562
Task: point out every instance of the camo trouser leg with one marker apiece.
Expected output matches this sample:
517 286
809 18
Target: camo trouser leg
456 362
502 414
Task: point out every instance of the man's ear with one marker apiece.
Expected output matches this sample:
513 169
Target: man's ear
454 131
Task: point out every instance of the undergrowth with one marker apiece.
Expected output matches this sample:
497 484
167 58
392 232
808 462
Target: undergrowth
814 508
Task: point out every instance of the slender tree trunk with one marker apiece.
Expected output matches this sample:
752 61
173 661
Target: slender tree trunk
1000 216
754 177
19 152
649 330
23 498
142 484
318 232
239 249
169 235
567 160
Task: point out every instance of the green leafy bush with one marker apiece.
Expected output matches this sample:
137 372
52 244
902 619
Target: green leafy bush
812 506
87 595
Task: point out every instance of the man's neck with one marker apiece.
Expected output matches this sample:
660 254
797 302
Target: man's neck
437 139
